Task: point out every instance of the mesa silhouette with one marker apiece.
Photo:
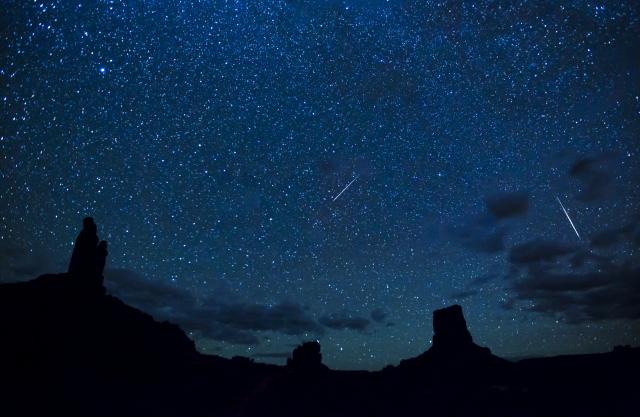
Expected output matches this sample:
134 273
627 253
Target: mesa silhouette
69 348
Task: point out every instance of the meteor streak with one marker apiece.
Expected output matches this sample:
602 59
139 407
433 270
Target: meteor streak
345 188
568 218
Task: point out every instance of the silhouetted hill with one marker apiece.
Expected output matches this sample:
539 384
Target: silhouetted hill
80 351
57 310
70 349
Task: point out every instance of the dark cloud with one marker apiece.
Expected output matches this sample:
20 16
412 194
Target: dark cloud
582 166
610 293
211 318
482 279
607 237
148 295
507 304
547 281
481 234
473 287
616 235
230 335
344 322
220 320
594 175
538 250
378 315
464 294
168 302
584 257
488 243
484 233
508 204
573 283
287 318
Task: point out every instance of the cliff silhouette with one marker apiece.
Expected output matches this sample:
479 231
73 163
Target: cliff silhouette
69 348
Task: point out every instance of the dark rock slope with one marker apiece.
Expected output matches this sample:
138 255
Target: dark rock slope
70 349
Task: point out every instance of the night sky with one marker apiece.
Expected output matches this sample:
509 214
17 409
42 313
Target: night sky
210 139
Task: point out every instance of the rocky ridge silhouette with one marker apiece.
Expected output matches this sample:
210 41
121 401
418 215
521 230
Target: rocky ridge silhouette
68 348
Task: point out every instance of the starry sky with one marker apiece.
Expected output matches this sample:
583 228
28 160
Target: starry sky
211 140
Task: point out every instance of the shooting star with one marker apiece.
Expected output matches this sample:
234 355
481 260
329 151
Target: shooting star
345 188
568 218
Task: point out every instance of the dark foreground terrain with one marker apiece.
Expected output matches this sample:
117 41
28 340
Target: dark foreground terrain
70 349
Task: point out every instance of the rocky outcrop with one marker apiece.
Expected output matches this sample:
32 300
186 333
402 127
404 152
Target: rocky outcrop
306 357
71 346
89 255
450 329
68 316
453 351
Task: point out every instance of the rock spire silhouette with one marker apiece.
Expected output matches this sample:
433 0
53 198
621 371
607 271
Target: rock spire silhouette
89 254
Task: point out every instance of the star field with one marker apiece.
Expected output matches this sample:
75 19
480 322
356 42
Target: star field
209 140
